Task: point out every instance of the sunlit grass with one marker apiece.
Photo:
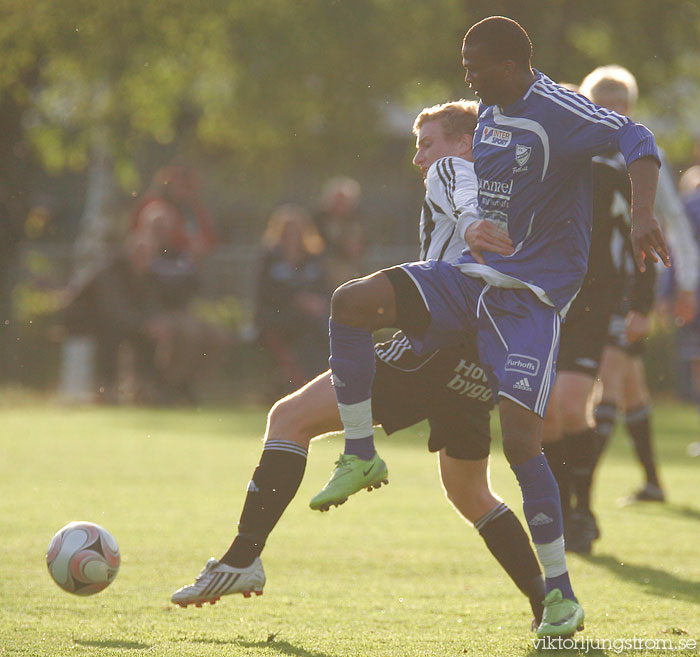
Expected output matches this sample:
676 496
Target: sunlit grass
394 573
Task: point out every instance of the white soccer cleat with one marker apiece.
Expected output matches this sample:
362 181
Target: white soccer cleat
218 579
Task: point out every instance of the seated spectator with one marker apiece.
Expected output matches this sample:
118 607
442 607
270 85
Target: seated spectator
292 300
141 297
173 199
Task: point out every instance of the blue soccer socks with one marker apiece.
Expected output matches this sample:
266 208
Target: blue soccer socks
352 366
542 509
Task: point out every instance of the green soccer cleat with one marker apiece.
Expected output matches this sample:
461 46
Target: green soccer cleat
351 475
562 617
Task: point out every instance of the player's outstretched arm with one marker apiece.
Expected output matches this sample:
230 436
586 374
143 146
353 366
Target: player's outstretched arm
647 239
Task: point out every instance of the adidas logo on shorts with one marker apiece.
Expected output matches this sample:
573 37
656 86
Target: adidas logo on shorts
523 384
540 519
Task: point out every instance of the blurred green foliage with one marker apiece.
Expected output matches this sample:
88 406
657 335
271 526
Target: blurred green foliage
227 312
291 84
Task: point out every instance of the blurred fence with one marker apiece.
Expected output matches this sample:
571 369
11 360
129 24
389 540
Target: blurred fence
231 270
32 343
33 351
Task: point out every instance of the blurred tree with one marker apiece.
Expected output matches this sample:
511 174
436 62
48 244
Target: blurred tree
288 84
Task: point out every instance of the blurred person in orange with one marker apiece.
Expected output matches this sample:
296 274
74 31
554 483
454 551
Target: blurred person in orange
174 200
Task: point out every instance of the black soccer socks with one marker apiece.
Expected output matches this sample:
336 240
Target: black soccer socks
273 486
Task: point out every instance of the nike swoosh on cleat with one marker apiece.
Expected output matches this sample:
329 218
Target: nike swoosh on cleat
366 472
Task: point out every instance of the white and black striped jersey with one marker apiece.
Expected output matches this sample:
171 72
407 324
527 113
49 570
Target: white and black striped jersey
679 232
612 279
450 205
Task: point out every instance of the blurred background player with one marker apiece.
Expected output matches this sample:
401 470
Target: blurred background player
622 369
688 335
448 388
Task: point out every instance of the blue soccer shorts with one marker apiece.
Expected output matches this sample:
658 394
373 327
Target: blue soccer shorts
517 334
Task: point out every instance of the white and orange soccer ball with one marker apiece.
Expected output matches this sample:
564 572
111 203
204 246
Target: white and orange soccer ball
83 558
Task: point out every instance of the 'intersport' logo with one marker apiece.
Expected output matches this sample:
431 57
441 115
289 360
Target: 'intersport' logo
522 364
496 137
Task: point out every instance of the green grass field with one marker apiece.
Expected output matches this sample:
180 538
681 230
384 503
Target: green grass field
394 573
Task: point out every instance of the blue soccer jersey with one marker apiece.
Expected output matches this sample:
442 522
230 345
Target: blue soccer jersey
533 163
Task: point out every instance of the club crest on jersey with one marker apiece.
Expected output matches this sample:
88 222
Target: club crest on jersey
522 154
496 137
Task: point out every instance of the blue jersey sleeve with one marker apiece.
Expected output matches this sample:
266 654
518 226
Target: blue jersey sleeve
637 141
588 129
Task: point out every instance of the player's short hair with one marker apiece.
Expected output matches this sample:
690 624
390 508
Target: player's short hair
610 82
690 180
503 38
457 117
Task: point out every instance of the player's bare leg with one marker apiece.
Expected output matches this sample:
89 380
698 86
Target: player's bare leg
291 423
466 485
309 412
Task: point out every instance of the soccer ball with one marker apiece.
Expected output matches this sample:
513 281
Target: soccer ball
83 558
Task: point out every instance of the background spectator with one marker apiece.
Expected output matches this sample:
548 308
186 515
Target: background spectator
142 297
341 227
292 300
173 200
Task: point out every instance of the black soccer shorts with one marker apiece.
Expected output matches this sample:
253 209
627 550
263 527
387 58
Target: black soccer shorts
583 337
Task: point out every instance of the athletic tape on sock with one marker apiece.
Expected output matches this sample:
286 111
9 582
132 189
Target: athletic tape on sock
357 419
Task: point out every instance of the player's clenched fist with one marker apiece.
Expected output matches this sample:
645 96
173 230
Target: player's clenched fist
483 235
